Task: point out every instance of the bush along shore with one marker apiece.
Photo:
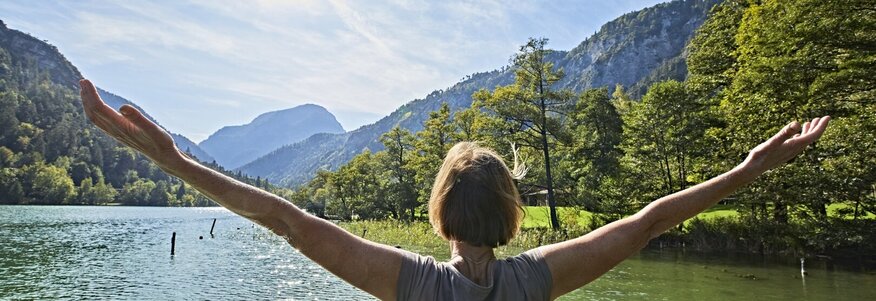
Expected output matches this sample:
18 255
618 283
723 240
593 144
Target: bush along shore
710 234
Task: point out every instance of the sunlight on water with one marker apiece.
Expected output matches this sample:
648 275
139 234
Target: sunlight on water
124 253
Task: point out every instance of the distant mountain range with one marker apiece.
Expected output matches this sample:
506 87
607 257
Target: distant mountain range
287 147
634 50
234 146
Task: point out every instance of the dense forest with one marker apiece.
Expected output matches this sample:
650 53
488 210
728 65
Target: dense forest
752 67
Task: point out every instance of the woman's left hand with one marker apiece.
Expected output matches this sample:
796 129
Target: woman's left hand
130 127
785 145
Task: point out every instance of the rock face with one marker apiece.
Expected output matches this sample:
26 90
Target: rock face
233 146
47 58
633 50
44 55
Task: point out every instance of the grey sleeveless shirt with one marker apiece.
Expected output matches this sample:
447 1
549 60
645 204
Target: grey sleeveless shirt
522 277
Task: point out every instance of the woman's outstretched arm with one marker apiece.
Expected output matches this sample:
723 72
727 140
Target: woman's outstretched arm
576 262
369 266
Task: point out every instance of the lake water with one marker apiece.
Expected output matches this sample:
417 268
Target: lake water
54 252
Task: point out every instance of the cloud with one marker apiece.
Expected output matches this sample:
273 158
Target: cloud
198 65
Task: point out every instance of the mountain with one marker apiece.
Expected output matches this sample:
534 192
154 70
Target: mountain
233 146
37 55
633 50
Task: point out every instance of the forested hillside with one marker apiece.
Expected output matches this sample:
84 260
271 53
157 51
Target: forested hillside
633 50
752 68
51 154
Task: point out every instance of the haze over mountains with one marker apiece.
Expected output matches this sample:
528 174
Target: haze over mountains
234 146
633 50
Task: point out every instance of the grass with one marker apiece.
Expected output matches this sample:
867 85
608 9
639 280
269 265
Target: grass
539 216
718 211
834 209
418 236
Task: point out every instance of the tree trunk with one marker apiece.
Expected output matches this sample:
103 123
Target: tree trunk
555 222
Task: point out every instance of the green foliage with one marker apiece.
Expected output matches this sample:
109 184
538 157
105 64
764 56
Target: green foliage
431 144
592 160
136 193
753 66
51 184
665 139
41 120
11 191
95 194
396 158
532 109
795 60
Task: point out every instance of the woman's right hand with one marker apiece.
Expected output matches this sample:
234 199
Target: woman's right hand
130 128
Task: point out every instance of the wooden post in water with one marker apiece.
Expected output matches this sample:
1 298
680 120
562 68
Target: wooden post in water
211 228
172 243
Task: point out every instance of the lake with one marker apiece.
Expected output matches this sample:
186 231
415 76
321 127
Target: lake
72 252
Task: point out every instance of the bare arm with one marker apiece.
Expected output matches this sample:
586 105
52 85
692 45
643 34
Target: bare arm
576 262
369 266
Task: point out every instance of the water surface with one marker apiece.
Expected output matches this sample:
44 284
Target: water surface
66 252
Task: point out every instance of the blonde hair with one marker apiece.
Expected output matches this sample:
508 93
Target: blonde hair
474 198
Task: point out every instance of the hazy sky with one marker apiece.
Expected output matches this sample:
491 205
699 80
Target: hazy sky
199 65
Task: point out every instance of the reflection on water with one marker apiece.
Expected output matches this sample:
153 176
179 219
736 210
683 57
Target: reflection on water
124 253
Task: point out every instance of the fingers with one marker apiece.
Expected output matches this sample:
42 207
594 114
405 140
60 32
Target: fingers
820 125
136 117
788 132
814 131
98 111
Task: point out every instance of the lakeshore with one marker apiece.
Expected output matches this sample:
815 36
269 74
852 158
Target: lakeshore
118 252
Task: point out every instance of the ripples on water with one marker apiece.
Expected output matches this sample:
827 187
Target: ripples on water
124 253
55 252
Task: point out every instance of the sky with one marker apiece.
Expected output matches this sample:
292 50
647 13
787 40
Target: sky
197 66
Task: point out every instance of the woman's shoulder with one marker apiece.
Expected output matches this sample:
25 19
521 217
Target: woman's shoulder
532 259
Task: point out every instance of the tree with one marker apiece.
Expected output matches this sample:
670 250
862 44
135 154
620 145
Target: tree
665 136
797 60
431 145
137 193
399 147
181 191
52 185
11 191
95 194
159 195
7 157
594 154
531 108
712 59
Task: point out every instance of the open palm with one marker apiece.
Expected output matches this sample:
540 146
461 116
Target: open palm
786 144
130 127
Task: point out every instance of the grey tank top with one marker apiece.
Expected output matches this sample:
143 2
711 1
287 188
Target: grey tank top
522 277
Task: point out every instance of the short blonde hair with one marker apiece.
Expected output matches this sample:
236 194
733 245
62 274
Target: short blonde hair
474 198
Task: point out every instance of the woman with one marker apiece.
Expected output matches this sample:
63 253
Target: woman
474 205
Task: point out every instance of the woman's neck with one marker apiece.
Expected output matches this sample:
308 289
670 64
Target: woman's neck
473 262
